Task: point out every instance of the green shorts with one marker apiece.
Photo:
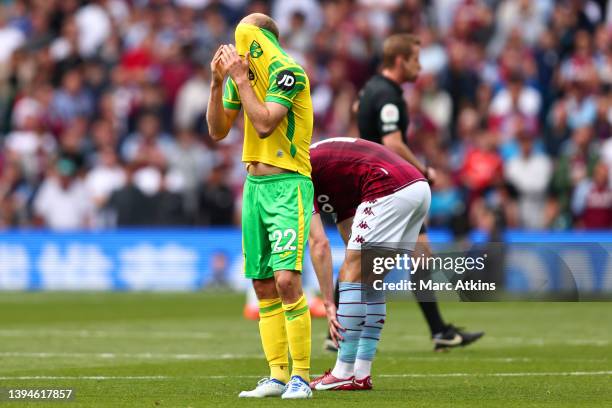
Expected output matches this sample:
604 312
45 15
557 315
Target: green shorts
276 213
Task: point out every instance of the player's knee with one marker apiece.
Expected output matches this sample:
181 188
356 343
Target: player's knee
288 287
265 288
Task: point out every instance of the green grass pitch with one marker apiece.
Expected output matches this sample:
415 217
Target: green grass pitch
196 350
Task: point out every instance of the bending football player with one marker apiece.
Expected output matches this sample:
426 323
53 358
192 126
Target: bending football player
376 196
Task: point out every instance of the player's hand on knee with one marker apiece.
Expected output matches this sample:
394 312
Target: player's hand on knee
335 328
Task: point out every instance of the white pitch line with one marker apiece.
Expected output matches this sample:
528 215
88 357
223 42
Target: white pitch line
524 374
103 334
455 359
208 335
473 358
535 341
88 377
407 375
144 356
232 356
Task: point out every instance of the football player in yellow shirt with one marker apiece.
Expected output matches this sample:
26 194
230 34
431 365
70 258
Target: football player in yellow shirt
274 92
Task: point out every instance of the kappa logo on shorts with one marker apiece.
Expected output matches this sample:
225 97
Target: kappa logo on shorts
363 225
368 211
359 239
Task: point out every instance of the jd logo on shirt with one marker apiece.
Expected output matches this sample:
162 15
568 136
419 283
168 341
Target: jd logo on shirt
285 80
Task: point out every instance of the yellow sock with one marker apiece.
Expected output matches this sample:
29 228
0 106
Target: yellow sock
297 321
274 337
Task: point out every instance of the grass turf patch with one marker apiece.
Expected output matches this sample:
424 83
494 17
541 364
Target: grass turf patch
196 350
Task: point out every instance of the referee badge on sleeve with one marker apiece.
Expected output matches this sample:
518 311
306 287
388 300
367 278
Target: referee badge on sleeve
389 113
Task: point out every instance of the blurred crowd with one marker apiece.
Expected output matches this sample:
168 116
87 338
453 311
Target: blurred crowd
102 106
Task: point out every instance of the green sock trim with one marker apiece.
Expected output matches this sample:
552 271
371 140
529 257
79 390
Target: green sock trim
292 314
270 308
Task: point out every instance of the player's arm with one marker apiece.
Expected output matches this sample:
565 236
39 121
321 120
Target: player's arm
395 142
320 255
265 116
219 118
344 228
388 126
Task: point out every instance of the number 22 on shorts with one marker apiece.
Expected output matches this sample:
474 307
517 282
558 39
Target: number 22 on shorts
278 235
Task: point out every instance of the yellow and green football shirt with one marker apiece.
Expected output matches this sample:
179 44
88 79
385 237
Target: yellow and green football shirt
275 77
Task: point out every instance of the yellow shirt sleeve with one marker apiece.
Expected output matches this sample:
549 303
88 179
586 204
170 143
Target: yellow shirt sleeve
285 82
231 98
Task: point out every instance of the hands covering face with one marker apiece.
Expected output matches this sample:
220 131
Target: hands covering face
227 61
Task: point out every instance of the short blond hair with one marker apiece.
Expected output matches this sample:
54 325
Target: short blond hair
398 45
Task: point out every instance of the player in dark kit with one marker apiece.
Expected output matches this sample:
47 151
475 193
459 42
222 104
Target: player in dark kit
376 196
382 118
